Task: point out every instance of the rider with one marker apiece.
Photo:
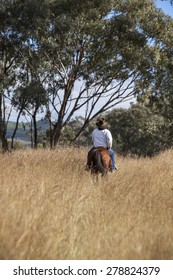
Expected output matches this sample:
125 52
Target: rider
102 137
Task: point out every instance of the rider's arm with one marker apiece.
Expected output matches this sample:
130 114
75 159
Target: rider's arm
93 137
109 139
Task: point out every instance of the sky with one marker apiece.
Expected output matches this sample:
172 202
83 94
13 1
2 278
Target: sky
165 6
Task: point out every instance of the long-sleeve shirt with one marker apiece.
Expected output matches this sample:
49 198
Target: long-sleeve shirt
102 138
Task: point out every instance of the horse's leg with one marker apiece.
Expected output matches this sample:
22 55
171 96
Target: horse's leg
94 175
97 178
105 174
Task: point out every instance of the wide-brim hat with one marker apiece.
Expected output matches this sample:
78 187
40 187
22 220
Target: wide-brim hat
102 123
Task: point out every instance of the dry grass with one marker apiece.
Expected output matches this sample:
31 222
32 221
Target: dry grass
51 209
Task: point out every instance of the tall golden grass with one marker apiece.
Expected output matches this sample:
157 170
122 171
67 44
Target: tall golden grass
51 209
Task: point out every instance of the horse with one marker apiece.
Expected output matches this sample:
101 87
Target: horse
100 161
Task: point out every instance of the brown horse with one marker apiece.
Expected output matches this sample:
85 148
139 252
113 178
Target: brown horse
100 161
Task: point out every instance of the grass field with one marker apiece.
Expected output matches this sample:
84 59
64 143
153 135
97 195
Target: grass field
51 209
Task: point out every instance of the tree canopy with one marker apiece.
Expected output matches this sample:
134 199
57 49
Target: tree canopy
87 55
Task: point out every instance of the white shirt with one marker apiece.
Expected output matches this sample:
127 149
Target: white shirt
102 138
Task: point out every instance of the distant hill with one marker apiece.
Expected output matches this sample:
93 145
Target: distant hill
23 130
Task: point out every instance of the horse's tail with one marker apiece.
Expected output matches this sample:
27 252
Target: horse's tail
99 162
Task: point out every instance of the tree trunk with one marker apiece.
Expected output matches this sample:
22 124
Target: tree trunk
3 129
31 137
56 135
15 130
35 130
4 143
51 137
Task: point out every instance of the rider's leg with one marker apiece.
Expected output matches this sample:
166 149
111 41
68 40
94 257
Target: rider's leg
112 154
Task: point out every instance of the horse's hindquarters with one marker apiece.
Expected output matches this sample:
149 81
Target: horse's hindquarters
101 161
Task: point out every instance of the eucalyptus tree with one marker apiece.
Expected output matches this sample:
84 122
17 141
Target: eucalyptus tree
29 99
101 53
20 25
8 45
160 97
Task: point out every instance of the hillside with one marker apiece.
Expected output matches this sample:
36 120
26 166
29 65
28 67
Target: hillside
51 209
23 133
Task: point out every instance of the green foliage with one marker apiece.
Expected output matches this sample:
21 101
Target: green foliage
72 128
138 131
33 95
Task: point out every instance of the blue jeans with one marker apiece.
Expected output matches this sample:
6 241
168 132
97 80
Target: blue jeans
112 154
